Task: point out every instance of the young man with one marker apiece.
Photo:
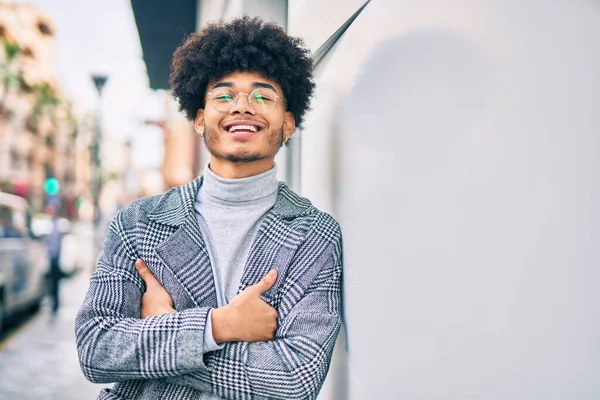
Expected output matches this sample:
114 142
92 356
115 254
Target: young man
229 286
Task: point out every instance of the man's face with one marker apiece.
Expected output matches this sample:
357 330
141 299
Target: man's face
241 134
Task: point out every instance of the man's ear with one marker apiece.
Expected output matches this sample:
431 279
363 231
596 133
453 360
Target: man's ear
289 125
199 122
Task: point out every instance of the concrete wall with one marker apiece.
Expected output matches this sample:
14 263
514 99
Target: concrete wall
458 145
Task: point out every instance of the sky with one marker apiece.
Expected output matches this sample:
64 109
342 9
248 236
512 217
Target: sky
100 37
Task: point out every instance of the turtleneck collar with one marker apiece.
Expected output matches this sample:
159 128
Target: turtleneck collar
240 192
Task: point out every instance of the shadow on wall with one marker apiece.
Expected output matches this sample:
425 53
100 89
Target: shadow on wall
409 126
468 172
425 94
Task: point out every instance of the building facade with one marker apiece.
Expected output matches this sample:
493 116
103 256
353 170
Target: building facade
38 132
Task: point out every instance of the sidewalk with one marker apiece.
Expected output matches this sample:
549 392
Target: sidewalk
39 360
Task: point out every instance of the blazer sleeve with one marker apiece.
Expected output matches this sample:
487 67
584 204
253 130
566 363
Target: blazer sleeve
113 343
295 363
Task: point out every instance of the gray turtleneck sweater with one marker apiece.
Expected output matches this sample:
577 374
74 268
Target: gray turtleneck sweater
229 213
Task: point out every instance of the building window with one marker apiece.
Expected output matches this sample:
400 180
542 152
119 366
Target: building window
27 52
44 29
12 223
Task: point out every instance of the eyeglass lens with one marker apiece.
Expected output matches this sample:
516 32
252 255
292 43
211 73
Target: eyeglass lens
261 100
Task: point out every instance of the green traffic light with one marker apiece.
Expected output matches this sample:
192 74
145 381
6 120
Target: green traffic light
52 186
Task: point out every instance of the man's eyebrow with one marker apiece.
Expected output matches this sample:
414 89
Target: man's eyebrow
254 85
263 85
222 84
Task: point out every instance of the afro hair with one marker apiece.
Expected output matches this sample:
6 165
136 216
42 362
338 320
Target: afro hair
242 44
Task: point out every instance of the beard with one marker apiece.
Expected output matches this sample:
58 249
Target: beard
241 154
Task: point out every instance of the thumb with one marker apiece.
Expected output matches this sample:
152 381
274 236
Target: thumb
145 272
265 283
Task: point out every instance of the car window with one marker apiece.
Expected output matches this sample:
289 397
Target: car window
13 223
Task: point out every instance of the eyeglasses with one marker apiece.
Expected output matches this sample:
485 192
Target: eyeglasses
261 100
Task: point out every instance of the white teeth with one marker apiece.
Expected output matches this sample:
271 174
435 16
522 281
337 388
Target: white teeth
243 128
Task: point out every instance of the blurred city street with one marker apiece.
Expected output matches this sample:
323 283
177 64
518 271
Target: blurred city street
38 358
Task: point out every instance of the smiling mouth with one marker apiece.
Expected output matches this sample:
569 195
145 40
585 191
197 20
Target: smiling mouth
242 128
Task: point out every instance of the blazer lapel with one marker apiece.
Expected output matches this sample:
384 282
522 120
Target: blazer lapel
278 237
184 253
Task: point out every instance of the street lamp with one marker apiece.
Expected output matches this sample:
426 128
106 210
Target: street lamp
99 82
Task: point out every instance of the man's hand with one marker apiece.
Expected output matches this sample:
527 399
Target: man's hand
156 300
247 318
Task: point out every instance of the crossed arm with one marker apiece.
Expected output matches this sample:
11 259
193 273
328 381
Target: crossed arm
249 361
246 319
115 344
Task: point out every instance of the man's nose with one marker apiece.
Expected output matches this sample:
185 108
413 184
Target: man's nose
242 105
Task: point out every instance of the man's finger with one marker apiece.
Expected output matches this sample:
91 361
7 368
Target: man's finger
265 283
145 273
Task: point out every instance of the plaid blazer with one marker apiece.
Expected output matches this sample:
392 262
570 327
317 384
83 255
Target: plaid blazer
162 357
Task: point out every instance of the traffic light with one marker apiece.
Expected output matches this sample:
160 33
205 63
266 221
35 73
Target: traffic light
51 186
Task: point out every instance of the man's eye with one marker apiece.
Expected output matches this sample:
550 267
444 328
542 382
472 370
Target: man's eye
262 99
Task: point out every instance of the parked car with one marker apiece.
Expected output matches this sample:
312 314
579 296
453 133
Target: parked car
23 260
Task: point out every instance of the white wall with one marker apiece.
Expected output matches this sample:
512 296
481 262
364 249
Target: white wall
465 172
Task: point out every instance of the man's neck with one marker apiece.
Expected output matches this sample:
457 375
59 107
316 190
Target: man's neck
230 170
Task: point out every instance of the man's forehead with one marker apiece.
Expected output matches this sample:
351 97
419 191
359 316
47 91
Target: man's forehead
245 79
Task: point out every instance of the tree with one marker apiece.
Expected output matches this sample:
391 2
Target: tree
10 76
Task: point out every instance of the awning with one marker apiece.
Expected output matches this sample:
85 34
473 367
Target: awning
162 26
